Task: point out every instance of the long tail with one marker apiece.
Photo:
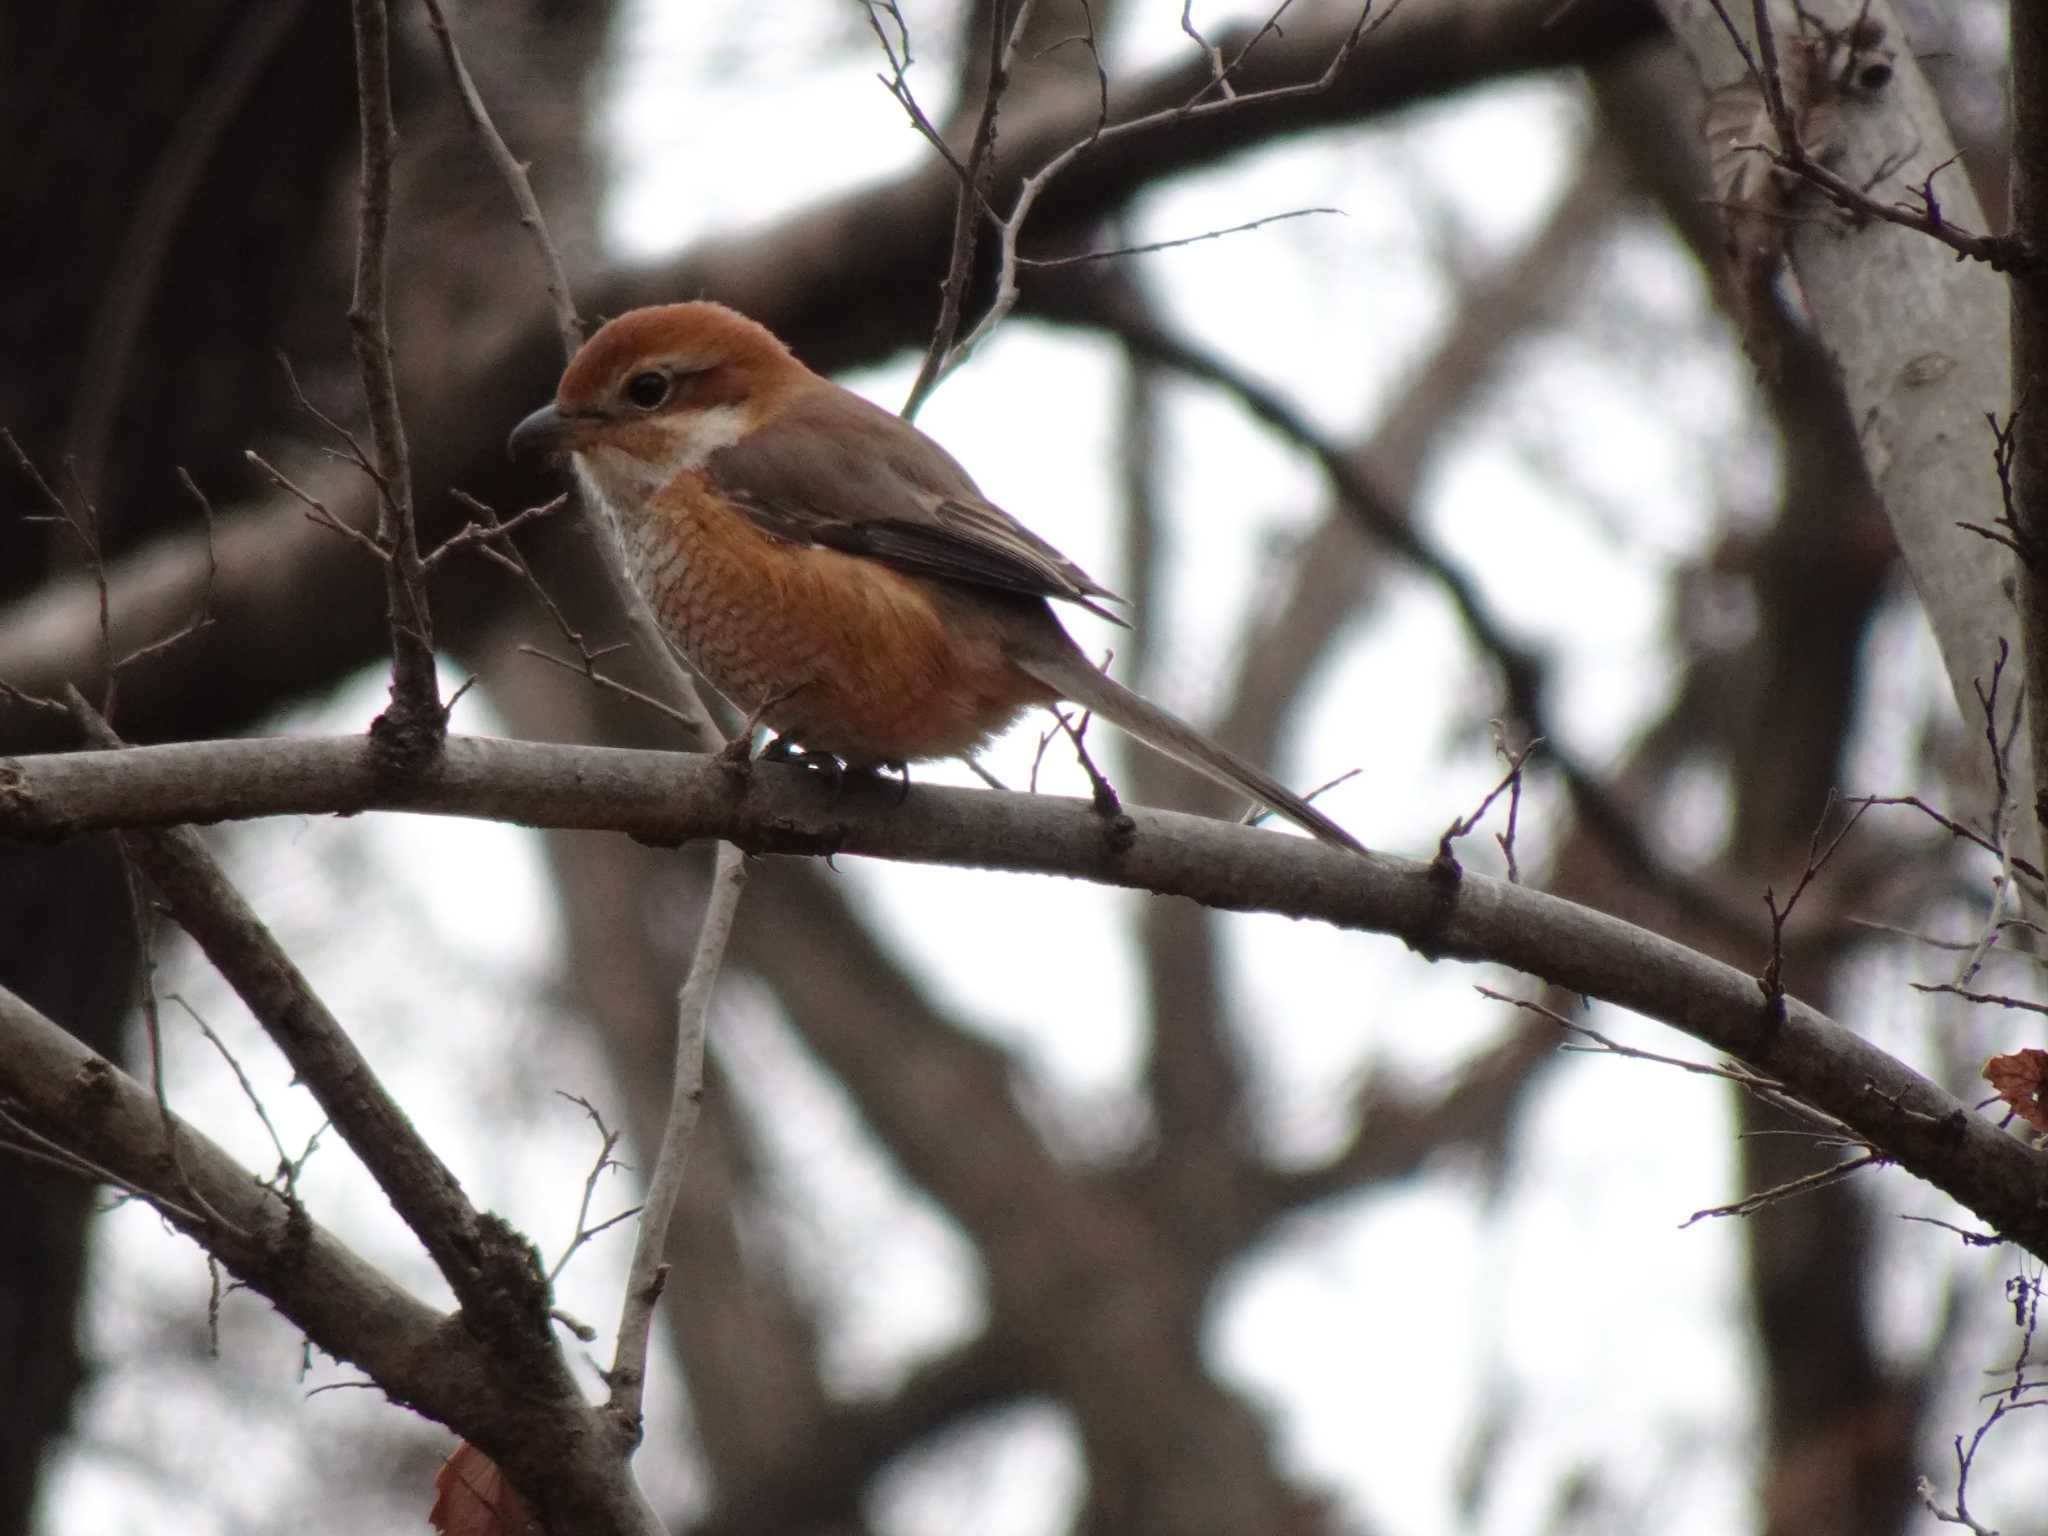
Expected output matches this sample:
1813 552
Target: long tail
1076 679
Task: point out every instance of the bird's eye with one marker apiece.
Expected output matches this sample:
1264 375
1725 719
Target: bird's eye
647 390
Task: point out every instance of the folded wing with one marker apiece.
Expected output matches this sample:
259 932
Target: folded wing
887 493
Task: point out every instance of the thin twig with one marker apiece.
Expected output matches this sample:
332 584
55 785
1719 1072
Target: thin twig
1805 1184
202 611
1765 1090
941 361
1950 825
649 1269
898 79
287 1168
1102 793
475 534
82 525
1970 1239
567 323
608 1141
1989 999
316 510
32 1145
2002 253
968 209
1511 786
1220 72
1051 263
588 669
1772 981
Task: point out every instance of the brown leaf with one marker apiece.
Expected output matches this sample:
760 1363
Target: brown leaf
2018 1079
473 1498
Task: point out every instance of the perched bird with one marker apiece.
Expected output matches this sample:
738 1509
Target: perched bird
825 565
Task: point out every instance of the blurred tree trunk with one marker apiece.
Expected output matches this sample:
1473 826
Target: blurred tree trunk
1776 717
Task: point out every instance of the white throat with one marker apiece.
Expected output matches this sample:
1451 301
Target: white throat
621 477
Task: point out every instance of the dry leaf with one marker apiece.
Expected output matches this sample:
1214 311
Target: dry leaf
2018 1079
474 1499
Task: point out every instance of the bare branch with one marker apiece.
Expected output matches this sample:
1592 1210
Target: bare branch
975 178
202 608
287 1167
88 1115
648 1271
1771 982
2002 253
1807 1184
608 1141
513 170
1051 263
1511 786
897 52
946 354
488 1267
666 798
475 534
1362 495
411 729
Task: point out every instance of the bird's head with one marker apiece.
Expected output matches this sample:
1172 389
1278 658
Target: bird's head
658 391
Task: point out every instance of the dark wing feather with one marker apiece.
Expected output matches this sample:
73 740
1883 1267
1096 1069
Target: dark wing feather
886 492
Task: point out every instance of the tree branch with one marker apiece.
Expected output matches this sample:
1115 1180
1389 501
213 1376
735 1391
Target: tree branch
77 1099
412 727
648 1272
667 798
516 181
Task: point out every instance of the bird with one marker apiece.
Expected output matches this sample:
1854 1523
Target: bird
826 566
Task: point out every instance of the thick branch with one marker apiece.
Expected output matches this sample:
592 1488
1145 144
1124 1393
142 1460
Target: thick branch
62 1094
491 1269
668 798
419 1185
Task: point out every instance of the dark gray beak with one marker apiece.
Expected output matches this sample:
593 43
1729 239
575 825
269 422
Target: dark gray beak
541 433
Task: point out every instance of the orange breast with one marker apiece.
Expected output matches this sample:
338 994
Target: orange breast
843 654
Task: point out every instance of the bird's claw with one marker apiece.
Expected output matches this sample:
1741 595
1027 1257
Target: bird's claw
782 750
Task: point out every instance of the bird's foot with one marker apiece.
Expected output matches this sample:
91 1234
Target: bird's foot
836 769
782 750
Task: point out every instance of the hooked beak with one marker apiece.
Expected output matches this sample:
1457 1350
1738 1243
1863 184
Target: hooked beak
546 431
